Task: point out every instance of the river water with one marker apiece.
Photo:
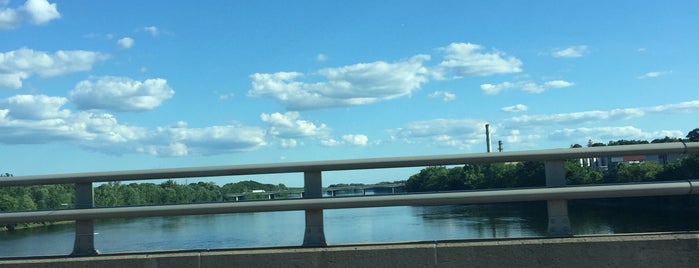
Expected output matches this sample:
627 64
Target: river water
342 226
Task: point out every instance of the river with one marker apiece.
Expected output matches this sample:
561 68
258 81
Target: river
342 226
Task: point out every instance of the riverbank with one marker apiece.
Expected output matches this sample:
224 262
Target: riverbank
23 226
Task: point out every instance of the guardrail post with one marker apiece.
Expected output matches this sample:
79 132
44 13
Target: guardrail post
314 235
559 223
84 229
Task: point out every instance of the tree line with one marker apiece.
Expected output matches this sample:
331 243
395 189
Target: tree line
531 174
120 194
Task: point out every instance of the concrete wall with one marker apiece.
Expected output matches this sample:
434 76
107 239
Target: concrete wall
648 250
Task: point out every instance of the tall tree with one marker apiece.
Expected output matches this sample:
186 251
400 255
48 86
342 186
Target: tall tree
693 135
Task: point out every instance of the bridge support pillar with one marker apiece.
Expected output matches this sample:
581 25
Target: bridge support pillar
559 223
84 244
314 235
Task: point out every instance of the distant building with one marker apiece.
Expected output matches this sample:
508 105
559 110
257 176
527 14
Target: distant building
603 163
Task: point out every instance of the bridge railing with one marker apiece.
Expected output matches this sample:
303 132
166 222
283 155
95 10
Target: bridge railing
556 193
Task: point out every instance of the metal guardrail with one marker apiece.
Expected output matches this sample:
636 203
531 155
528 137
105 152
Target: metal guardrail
556 193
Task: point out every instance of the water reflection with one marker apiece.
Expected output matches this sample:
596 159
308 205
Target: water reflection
383 224
491 220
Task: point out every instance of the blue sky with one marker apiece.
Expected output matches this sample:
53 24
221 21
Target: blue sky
120 85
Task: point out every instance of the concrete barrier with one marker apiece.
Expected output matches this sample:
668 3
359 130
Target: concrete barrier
632 250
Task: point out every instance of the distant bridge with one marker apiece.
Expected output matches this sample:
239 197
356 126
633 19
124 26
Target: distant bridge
350 190
559 248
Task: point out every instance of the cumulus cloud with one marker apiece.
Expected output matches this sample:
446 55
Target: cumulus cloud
9 19
458 133
17 65
321 57
41 119
126 42
653 74
180 140
290 125
36 119
366 83
531 87
34 107
356 84
466 59
356 139
120 94
515 108
41 11
570 52
444 95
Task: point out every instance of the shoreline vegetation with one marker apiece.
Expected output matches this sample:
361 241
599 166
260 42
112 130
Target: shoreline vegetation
30 225
429 179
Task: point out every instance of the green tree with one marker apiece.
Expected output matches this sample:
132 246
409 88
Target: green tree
626 142
693 135
685 169
665 140
429 179
579 174
635 172
529 174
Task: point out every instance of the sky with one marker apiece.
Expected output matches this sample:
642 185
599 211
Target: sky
120 85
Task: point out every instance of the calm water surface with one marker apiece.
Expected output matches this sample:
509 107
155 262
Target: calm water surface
342 226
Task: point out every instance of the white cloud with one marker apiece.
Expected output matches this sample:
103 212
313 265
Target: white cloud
225 96
457 133
37 119
445 95
41 11
9 19
37 11
653 74
321 57
180 140
574 118
515 108
531 87
356 139
126 42
611 133
17 65
34 107
151 29
356 84
682 107
290 125
120 94
492 89
366 83
570 52
466 59
288 143
330 142
595 116
41 119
